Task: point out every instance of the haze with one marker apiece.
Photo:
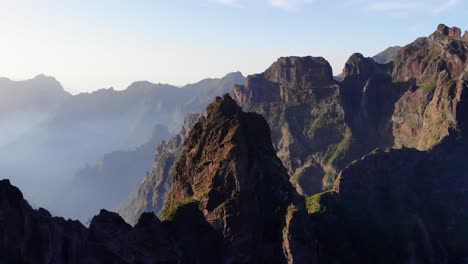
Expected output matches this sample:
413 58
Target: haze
89 45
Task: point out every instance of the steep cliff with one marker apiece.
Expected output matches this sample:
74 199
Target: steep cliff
151 192
229 171
435 68
397 206
319 126
302 104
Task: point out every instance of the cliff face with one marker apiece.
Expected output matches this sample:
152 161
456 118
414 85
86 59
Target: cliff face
319 126
151 193
397 206
302 104
435 68
229 171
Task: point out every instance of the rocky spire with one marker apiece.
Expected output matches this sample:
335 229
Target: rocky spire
443 30
230 169
358 65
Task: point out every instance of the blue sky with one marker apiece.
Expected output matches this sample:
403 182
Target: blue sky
89 45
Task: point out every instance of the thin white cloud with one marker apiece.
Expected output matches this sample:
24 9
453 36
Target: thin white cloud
412 6
227 2
393 6
288 4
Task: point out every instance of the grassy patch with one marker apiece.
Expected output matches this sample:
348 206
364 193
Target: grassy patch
431 86
430 57
295 178
169 212
337 153
321 202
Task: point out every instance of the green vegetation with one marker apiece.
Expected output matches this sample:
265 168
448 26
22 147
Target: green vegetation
169 212
295 178
431 86
430 57
337 153
321 202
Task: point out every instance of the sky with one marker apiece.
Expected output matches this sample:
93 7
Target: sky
88 44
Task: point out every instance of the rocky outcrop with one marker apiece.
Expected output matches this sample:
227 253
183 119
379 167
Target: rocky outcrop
276 83
229 171
305 115
435 69
34 236
394 207
151 193
318 126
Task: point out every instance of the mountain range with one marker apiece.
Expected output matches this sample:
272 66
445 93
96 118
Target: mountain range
292 167
79 132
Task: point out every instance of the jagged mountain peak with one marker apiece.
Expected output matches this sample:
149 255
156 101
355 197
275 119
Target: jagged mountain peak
229 168
300 71
10 193
445 31
224 106
358 65
235 135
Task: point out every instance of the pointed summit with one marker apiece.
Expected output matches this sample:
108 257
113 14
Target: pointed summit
230 170
358 65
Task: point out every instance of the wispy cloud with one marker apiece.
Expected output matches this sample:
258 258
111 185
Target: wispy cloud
434 6
227 2
288 4
393 6
385 6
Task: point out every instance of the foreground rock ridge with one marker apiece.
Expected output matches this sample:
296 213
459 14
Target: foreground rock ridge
230 202
397 206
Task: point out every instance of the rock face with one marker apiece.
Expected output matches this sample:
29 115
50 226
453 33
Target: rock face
304 112
319 126
34 236
394 207
230 202
229 171
151 193
435 69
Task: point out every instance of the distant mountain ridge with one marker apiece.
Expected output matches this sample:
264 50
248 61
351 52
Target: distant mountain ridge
388 55
82 128
24 104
